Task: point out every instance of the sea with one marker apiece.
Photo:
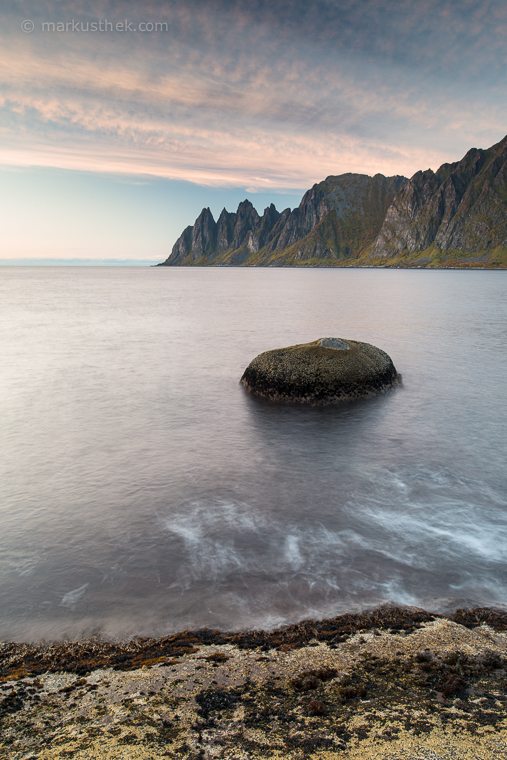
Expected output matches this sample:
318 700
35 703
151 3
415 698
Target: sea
143 490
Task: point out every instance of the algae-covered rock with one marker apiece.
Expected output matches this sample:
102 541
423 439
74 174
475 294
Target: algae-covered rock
321 372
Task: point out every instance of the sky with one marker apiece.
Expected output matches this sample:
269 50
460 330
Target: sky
120 121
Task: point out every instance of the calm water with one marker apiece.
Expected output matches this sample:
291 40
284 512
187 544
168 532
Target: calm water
143 491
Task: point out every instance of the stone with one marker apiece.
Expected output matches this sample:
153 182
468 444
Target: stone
324 371
333 343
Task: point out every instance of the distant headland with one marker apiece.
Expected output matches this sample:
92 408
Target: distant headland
455 217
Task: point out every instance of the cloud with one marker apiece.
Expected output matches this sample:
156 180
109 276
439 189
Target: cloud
253 160
251 94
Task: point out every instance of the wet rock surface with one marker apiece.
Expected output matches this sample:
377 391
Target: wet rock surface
323 371
392 683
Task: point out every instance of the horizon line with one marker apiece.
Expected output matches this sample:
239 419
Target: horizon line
82 261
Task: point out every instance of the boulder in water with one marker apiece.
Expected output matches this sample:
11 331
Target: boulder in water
321 372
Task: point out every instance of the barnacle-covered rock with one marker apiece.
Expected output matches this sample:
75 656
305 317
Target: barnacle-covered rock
321 372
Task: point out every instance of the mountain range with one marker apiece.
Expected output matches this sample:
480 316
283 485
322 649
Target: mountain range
454 217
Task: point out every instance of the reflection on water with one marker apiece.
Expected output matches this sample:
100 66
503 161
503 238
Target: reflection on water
143 490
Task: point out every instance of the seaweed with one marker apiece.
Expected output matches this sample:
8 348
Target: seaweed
21 660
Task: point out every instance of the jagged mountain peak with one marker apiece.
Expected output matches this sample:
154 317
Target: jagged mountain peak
303 233
246 204
456 214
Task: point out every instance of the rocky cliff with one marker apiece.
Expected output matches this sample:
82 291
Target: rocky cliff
456 216
336 221
457 213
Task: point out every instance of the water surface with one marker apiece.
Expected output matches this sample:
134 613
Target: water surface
142 490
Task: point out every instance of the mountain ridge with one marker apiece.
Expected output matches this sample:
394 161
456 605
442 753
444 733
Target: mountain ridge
454 217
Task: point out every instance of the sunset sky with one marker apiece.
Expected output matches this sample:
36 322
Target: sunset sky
113 139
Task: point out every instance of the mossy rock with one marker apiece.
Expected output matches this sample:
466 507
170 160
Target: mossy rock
321 372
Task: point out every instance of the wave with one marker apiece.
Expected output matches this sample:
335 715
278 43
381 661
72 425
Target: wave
403 536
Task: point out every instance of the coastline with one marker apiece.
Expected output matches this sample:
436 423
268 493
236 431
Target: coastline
387 683
464 268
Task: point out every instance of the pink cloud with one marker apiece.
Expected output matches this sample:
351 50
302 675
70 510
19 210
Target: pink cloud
232 100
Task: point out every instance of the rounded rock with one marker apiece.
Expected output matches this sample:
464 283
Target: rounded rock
321 372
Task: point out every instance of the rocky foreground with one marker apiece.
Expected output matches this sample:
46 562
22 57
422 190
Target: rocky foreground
399 684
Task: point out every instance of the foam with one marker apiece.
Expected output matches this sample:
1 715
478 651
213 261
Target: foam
411 534
71 598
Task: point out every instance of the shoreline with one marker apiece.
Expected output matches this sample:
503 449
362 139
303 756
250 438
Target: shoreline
389 683
465 268
81 656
